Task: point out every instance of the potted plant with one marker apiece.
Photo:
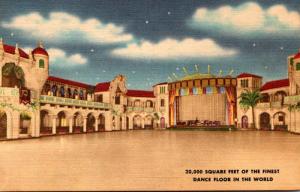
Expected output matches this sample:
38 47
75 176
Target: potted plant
25 122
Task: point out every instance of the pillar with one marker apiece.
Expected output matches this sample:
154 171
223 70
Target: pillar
71 125
15 124
130 123
84 124
143 123
54 118
96 124
108 121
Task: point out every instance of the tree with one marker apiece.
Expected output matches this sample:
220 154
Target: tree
249 99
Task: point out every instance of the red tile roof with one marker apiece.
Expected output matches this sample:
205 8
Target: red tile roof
297 56
69 82
243 75
275 84
139 93
11 49
40 50
101 87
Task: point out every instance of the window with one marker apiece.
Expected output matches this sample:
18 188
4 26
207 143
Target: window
162 90
41 63
162 102
298 66
117 100
100 98
244 83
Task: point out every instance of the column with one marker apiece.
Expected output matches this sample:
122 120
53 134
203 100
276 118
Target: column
15 124
272 123
96 124
124 122
84 124
71 125
143 123
54 118
108 121
130 123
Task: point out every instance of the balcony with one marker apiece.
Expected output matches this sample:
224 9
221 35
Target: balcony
276 104
9 95
140 109
73 102
291 100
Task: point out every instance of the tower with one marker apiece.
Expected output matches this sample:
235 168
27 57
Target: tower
294 73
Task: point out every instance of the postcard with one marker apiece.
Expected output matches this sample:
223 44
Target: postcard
168 95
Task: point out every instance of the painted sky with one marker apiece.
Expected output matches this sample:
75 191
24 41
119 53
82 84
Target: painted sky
92 41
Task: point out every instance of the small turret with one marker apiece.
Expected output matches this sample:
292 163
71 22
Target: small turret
41 57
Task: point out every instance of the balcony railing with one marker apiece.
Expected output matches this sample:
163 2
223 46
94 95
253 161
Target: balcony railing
263 105
276 104
9 95
141 109
291 100
73 102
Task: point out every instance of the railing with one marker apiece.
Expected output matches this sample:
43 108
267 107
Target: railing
141 109
9 95
290 100
276 104
263 105
73 102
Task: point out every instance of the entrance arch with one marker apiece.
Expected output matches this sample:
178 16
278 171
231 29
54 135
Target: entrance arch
137 122
149 122
245 122
78 123
46 127
264 121
279 121
3 125
62 126
101 126
90 124
162 122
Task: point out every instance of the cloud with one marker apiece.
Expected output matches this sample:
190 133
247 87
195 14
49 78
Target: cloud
174 49
60 58
64 26
247 19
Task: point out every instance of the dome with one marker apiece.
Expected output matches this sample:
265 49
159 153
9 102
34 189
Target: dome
40 50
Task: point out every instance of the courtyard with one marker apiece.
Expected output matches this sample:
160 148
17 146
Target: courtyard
147 159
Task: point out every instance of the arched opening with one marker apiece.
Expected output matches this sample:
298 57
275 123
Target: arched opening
149 122
279 121
101 126
264 121
244 121
137 122
121 123
46 89
12 76
3 125
90 124
137 103
62 91
127 123
25 121
149 103
279 96
265 97
46 124
69 93
78 123
62 126
75 94
54 90
162 122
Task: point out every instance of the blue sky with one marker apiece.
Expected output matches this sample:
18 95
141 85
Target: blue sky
92 41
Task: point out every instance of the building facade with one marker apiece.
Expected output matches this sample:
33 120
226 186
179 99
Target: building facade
39 104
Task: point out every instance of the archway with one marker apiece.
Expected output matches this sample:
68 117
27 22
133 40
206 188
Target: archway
90 124
101 125
25 122
127 123
46 127
264 121
3 125
162 122
245 122
149 122
137 122
279 121
12 75
62 125
121 123
78 123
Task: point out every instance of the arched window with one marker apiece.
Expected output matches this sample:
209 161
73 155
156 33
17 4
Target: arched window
81 94
62 91
41 63
54 90
75 93
69 93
